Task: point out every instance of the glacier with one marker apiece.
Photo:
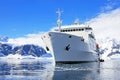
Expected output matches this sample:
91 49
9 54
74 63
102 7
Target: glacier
109 49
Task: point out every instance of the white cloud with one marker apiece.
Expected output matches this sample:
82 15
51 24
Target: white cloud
28 39
107 24
110 5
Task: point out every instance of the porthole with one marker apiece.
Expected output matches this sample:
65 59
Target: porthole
70 36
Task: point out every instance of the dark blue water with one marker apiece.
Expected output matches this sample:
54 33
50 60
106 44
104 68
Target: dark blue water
44 69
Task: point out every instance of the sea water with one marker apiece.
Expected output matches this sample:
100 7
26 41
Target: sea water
46 69
108 70
26 68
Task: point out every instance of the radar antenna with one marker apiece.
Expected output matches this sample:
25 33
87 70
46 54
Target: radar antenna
77 22
59 21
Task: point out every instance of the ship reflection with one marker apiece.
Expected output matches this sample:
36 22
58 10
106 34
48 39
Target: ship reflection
26 69
80 71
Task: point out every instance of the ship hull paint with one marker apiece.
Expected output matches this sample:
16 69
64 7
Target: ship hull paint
69 48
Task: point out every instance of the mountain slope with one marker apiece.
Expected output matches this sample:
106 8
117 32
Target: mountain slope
109 48
23 50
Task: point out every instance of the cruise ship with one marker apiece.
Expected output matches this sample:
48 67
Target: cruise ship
71 43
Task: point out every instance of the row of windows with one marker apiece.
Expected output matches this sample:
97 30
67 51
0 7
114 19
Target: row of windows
69 30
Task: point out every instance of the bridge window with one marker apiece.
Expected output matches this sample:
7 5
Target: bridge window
71 30
88 28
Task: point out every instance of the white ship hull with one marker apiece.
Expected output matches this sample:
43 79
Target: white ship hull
69 48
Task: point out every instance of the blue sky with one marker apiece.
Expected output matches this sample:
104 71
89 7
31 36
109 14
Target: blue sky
22 17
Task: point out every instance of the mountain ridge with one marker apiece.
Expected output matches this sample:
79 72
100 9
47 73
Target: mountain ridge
109 47
23 50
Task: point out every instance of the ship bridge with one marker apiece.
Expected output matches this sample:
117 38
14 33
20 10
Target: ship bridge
73 29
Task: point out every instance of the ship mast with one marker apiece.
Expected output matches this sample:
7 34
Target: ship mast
59 21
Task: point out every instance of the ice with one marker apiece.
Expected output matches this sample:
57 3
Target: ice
17 67
110 49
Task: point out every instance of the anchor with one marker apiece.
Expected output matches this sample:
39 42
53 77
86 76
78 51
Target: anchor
67 48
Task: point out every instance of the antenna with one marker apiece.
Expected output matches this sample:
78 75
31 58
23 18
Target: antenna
59 21
77 22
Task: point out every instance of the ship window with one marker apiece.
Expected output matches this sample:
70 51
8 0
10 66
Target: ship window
82 29
49 34
88 28
70 30
92 36
64 30
77 30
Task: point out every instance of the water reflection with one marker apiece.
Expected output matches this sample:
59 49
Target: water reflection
110 70
26 69
45 69
82 71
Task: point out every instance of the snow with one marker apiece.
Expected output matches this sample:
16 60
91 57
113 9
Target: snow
110 48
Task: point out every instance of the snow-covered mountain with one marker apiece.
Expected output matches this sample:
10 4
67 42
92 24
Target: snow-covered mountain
30 45
110 48
23 50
